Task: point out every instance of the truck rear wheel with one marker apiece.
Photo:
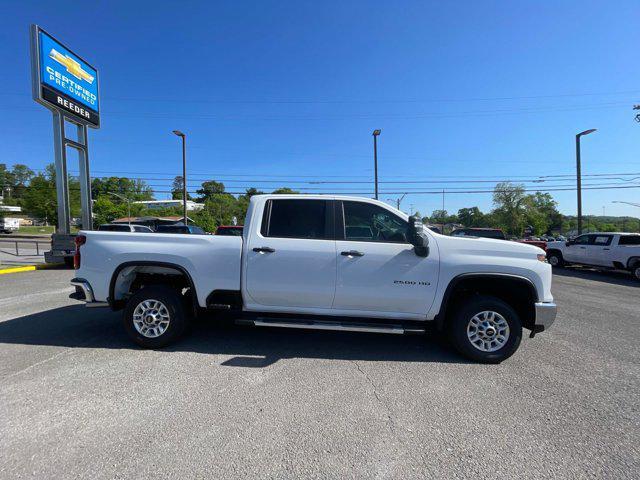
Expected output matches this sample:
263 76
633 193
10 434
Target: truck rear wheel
486 330
155 316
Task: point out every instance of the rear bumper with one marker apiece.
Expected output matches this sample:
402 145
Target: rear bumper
84 293
545 315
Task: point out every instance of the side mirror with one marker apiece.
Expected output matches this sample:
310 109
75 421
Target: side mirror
417 237
568 243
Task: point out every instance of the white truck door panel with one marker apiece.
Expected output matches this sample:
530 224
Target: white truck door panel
377 269
298 273
388 277
599 252
285 271
577 250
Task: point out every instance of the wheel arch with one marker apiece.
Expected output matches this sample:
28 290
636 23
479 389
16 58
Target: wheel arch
633 262
519 292
117 303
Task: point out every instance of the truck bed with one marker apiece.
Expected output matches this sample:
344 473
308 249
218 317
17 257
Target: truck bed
213 262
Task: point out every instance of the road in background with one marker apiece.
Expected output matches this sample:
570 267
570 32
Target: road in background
79 400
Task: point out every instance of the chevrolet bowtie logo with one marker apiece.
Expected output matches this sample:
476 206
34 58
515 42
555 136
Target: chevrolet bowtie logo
73 67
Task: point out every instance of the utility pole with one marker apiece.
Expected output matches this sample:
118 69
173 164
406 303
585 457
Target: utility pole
579 176
184 174
375 159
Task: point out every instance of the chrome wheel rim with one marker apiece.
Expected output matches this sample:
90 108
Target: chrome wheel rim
488 331
553 260
151 318
637 272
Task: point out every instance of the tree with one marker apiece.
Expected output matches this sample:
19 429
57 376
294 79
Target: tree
508 201
208 189
471 217
176 189
283 191
40 199
547 207
133 189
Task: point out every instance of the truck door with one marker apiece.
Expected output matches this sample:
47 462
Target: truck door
576 250
377 269
291 260
599 250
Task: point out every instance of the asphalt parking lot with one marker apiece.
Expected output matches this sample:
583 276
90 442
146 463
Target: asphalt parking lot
78 400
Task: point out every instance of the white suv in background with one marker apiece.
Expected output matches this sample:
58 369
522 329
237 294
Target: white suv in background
606 250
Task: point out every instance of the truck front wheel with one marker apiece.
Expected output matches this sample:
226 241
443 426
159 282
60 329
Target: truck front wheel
485 329
155 316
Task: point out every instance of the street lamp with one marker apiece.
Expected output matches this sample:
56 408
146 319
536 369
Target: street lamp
184 173
375 158
579 176
122 197
397 200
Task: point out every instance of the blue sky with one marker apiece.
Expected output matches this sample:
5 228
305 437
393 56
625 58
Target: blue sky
284 92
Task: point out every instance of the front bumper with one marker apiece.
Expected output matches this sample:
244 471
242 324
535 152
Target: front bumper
545 316
84 293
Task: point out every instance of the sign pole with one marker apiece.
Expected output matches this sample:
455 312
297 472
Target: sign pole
62 184
85 178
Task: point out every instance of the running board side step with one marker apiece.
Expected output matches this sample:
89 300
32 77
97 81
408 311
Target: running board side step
341 326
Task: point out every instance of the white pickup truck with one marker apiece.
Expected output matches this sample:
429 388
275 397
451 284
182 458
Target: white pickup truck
603 250
320 262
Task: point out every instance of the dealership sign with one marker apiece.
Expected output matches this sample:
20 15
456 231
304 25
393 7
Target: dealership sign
62 80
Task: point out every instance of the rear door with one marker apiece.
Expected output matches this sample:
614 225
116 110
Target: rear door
291 261
377 269
576 251
599 250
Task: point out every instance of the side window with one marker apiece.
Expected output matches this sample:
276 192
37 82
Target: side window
296 219
582 240
629 240
602 240
364 222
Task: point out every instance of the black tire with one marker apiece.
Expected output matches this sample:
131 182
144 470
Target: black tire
555 259
460 321
635 270
174 308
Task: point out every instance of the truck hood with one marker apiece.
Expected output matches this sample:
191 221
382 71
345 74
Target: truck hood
489 246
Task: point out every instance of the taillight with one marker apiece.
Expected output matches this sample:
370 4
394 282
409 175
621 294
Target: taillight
80 240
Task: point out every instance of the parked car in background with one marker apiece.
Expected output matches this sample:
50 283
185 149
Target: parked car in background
123 227
230 230
479 232
535 242
9 225
604 250
179 228
327 263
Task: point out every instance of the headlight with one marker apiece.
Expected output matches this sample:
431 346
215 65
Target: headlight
542 257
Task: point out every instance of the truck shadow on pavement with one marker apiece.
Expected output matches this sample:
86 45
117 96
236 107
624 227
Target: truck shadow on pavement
614 277
250 347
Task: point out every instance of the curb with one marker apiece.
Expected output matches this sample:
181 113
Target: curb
29 268
26 268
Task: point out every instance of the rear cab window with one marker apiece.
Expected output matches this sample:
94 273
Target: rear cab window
629 240
601 240
291 218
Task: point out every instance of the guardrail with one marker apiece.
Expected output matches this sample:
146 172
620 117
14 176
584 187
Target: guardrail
17 243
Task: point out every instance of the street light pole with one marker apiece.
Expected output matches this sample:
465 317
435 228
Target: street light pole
579 176
184 174
375 159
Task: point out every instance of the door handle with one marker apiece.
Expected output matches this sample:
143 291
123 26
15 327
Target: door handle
352 253
606 249
583 248
264 249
